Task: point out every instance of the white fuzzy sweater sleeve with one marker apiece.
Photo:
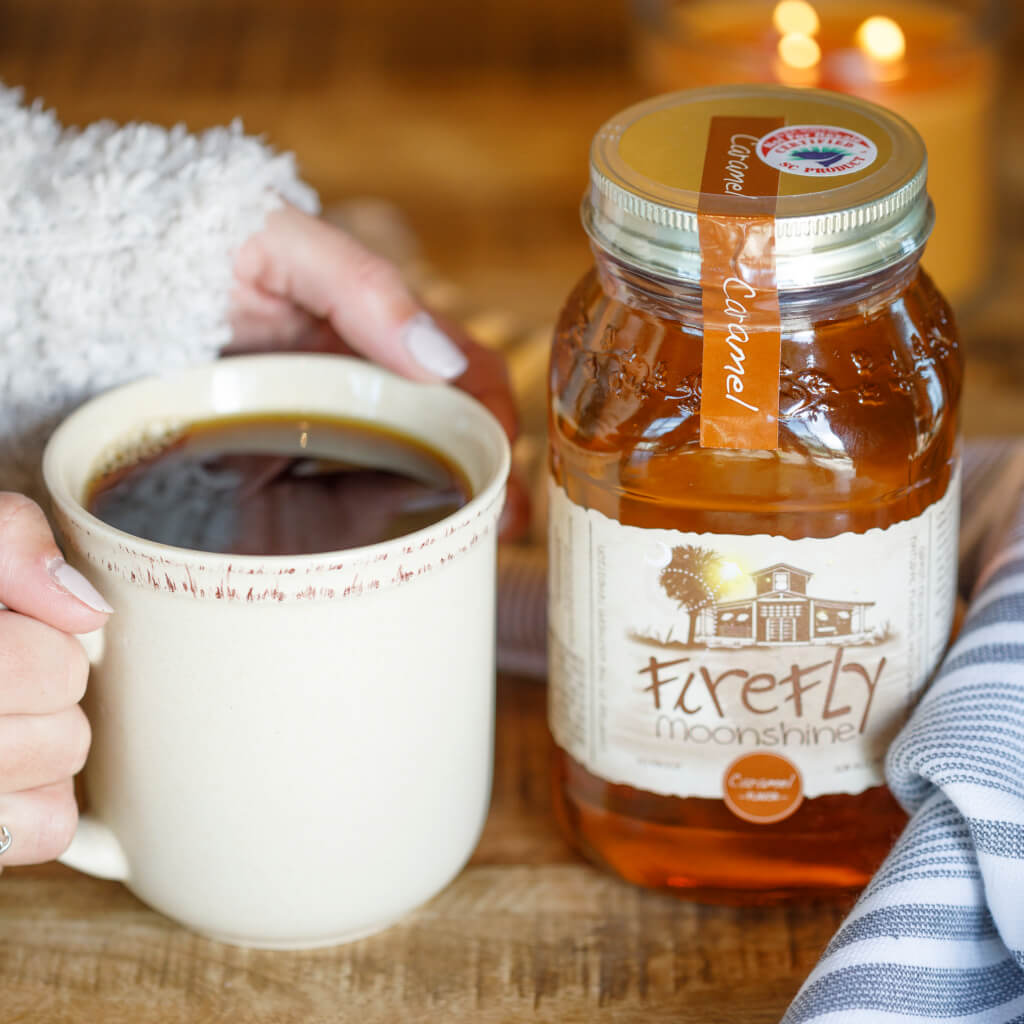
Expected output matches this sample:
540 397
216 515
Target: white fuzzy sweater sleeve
116 248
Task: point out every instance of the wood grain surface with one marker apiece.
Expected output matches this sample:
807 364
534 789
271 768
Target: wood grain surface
526 932
475 120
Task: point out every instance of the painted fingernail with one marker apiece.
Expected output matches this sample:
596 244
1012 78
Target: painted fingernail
78 586
433 349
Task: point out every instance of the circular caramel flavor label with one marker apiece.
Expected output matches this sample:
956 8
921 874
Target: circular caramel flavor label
762 788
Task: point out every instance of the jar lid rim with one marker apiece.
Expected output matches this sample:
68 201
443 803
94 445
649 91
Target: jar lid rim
852 224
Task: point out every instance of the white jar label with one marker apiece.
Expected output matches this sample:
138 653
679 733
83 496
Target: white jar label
755 669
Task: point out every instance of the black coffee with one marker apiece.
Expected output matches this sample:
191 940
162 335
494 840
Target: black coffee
279 485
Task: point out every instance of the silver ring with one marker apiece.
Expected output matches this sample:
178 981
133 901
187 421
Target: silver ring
5 839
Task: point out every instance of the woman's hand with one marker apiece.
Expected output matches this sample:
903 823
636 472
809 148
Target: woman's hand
44 735
307 285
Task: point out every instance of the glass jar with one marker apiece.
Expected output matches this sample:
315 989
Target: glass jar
738 627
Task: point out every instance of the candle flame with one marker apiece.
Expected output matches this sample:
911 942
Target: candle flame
882 39
795 17
799 51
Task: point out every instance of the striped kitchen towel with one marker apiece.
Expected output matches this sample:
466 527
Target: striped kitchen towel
938 935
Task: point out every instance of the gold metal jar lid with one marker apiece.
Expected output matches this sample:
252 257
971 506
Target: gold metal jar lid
851 196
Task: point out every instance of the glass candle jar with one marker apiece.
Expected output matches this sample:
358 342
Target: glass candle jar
754 492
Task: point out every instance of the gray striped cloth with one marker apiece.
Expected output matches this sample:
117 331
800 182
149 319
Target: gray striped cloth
938 934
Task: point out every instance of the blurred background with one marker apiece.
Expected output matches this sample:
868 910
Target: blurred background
473 119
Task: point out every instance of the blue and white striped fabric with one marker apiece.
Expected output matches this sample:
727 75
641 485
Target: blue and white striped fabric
938 935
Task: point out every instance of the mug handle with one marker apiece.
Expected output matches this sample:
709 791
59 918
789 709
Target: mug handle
94 848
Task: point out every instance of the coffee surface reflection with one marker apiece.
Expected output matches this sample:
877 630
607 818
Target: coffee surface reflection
280 485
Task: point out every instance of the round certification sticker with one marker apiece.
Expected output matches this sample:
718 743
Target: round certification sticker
816 150
762 788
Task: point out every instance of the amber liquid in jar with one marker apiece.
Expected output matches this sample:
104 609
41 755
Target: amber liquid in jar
869 388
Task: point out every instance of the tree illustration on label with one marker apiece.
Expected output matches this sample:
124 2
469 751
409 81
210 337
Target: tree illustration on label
687 579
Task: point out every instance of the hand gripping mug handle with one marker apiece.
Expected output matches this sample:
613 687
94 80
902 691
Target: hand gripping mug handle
94 848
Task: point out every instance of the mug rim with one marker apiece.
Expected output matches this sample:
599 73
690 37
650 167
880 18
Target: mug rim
475 507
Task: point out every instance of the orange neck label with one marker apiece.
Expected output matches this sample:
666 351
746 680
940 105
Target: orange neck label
742 335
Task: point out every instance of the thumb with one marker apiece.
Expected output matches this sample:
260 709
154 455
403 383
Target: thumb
34 578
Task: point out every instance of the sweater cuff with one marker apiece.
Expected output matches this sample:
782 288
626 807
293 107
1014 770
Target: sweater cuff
116 253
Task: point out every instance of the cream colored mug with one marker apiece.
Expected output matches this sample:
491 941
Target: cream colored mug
288 751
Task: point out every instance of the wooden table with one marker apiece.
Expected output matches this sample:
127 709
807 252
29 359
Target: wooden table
475 119
526 932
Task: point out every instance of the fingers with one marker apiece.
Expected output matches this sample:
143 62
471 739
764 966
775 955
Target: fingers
261 322
514 524
300 267
486 378
39 750
42 670
330 275
41 823
35 579
44 735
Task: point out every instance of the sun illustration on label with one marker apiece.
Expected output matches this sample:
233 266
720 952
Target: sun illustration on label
729 571
826 156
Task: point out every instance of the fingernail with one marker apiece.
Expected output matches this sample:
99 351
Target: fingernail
433 349
78 586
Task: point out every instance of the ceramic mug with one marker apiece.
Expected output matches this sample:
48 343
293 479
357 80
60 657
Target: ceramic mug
288 751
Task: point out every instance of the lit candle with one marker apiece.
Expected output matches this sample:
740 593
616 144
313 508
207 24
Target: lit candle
928 61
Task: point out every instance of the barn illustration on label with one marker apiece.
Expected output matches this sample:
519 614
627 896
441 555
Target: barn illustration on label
783 609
